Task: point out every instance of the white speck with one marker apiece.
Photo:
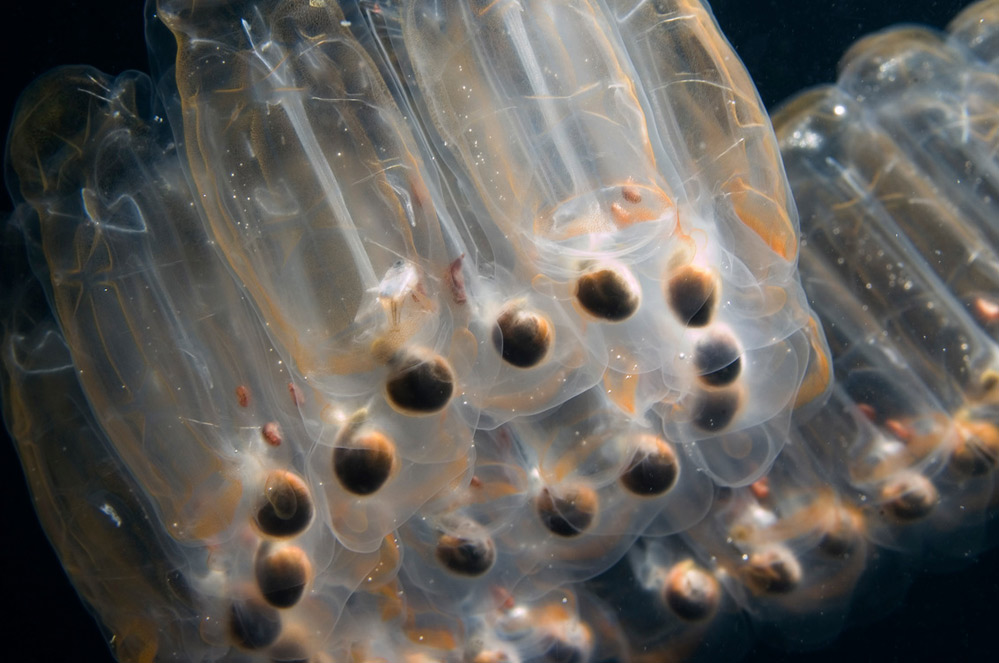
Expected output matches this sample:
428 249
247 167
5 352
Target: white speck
109 511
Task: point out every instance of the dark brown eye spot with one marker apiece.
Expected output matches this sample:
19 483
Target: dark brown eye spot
253 624
977 450
718 360
282 574
691 593
692 294
420 385
841 536
522 337
465 555
608 295
364 464
909 497
772 571
569 512
653 469
715 410
286 506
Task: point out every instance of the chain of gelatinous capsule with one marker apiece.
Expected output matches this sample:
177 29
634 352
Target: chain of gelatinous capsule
593 203
898 271
488 345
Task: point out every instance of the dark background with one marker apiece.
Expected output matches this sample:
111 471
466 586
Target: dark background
786 44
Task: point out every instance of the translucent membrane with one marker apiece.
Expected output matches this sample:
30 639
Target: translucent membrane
419 331
600 208
87 501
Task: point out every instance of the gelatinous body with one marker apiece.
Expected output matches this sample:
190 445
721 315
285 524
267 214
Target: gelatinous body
473 331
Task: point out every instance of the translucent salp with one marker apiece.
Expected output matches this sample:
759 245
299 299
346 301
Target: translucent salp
892 169
585 176
87 501
473 332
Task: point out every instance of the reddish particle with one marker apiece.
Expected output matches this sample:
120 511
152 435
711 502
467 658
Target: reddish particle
504 599
868 411
456 280
760 488
243 395
621 216
986 310
631 194
297 395
899 429
272 434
